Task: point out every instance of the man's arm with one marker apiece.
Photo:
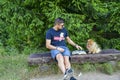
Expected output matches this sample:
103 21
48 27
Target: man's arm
72 43
49 46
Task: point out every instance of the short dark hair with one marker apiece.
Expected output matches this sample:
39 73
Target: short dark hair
58 21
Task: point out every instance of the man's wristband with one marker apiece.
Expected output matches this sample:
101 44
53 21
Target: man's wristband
76 45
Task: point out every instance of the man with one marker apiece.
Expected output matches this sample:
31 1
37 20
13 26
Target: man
55 41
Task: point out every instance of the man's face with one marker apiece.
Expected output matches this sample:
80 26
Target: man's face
60 26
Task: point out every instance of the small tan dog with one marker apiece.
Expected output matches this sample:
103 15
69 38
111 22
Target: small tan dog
92 46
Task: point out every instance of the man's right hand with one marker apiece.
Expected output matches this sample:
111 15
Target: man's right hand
60 49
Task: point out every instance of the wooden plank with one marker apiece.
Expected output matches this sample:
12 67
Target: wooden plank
41 58
95 58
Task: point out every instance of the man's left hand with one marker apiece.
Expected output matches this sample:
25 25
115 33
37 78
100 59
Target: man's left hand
78 47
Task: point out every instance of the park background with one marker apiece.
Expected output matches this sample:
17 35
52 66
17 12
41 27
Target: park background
23 25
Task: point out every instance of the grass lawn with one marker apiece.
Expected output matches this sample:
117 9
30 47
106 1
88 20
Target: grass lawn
15 67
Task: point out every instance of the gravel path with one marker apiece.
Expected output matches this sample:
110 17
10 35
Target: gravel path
84 76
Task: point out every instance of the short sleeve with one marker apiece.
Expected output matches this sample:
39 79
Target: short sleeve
66 33
48 35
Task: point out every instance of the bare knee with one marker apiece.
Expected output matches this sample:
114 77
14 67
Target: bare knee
59 58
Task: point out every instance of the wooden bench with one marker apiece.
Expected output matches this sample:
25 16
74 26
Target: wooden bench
41 58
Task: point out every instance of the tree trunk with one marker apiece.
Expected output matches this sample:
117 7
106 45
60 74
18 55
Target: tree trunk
41 58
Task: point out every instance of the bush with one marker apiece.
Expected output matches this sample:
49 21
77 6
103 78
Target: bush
24 22
107 68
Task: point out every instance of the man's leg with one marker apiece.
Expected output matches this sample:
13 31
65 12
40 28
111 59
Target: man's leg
67 62
61 64
69 71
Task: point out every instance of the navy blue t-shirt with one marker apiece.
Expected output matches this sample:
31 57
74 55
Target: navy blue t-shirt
57 37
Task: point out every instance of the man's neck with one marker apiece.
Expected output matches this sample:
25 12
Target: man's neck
55 28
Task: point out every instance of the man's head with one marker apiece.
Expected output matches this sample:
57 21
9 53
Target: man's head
59 23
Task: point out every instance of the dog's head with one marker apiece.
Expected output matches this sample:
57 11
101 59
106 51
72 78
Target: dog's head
92 46
90 42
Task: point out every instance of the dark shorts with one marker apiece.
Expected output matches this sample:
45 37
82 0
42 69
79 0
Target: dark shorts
65 53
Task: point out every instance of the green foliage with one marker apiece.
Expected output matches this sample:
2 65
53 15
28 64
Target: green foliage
2 49
107 68
23 23
23 27
118 65
88 67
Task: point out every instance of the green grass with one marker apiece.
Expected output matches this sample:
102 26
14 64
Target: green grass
15 67
106 68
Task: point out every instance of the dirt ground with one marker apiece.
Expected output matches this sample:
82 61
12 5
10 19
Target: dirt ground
84 76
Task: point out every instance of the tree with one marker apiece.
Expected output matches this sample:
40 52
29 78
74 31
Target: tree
24 22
